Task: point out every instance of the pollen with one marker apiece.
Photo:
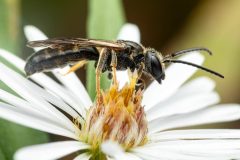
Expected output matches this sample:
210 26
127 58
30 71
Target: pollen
120 117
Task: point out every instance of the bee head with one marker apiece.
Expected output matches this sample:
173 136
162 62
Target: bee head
154 64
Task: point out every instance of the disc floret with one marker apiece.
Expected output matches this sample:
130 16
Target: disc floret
120 118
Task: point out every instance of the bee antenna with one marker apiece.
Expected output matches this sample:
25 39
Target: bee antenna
194 65
175 54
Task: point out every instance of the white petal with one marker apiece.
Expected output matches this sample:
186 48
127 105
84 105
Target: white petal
45 82
170 154
31 93
19 63
225 154
196 145
52 98
111 148
114 150
129 156
146 156
23 105
129 32
184 104
16 115
58 90
49 151
176 75
223 149
109 158
32 33
202 85
83 156
219 113
196 134
123 78
188 96
14 60
156 154
74 84
198 85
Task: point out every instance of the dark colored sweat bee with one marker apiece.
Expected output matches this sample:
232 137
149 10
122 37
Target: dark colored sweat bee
109 56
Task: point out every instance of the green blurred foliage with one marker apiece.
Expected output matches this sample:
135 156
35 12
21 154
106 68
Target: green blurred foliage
9 24
105 19
14 136
215 25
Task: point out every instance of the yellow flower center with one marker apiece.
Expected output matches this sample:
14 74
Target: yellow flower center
120 117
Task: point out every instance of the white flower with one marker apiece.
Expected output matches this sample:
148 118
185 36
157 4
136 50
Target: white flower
168 107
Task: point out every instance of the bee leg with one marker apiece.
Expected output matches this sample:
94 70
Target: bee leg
140 83
101 62
140 69
114 65
76 66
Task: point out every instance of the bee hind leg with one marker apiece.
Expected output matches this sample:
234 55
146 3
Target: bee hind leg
100 65
114 66
76 66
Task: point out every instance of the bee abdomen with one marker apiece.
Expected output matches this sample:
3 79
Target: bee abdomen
48 58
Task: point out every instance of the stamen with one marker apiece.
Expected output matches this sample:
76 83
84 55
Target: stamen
120 117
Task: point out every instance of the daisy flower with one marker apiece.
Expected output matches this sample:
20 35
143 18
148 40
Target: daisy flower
133 125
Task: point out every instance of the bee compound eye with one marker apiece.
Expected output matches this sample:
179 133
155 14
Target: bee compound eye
157 69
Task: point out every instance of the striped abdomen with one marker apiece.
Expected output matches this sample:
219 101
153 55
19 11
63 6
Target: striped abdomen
48 58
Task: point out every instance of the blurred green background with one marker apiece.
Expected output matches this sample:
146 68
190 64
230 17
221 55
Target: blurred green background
165 25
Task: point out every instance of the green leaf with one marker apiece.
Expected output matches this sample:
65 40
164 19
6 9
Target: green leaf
105 18
12 135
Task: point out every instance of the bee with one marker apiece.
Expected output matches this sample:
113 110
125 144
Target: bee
108 55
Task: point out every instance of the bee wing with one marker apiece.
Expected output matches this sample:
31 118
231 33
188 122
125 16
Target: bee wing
78 42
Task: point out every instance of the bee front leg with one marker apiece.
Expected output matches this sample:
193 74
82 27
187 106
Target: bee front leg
100 65
114 66
140 69
140 83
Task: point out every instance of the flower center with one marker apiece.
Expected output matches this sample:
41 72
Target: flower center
120 117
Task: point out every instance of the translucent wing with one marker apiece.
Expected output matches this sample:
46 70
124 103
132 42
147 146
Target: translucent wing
76 42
